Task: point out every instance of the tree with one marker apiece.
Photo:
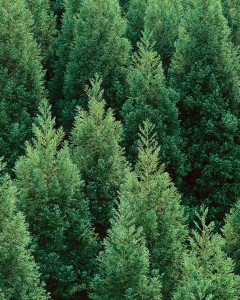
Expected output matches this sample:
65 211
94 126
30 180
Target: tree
21 78
44 28
99 47
51 198
63 47
205 71
156 206
19 276
95 139
162 20
231 232
135 15
149 97
124 270
58 9
208 271
231 12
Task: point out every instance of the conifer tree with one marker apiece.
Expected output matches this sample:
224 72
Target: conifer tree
155 205
63 47
21 78
50 196
96 137
44 28
162 21
231 10
231 232
135 15
124 269
99 47
149 97
208 271
58 9
19 277
205 71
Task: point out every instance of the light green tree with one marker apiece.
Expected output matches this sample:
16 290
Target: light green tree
19 276
50 195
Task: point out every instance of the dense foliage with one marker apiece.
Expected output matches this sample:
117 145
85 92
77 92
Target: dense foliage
119 120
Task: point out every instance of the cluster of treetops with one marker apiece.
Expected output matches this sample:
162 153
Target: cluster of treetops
120 146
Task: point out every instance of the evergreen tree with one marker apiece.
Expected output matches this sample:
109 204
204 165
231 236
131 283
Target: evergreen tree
205 71
135 15
162 20
95 137
63 47
231 10
21 78
208 271
51 198
58 9
155 204
151 98
99 47
124 271
44 28
19 277
231 232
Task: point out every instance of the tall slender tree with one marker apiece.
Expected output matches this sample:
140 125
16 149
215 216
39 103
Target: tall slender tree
231 10
63 47
149 97
209 273
95 138
19 276
156 206
51 198
124 269
205 71
44 29
21 78
162 20
135 16
99 47
231 232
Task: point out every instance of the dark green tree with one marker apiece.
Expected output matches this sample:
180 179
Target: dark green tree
19 277
205 71
231 10
44 28
135 15
162 21
21 78
209 273
124 269
149 97
99 47
58 9
63 48
95 138
231 232
51 198
156 206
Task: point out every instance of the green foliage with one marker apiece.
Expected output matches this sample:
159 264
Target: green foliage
21 78
124 270
151 98
19 277
50 196
208 271
155 205
135 15
63 48
205 71
99 47
231 10
95 137
44 28
162 21
231 232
